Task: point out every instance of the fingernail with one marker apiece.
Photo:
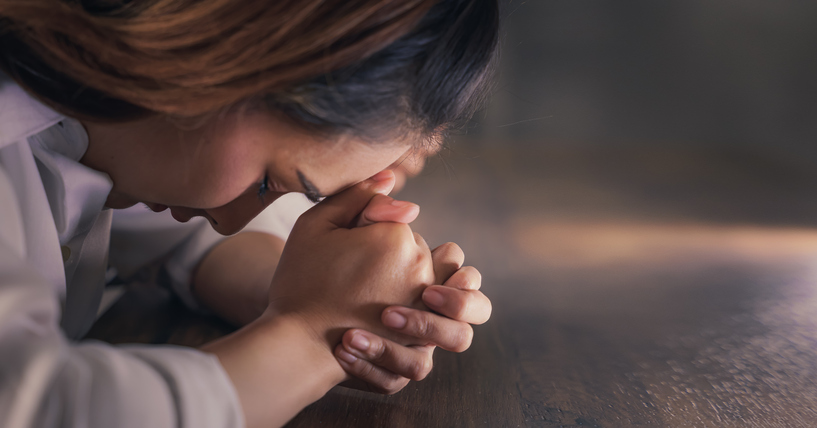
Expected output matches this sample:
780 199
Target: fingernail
401 204
433 298
345 356
360 343
382 182
382 187
382 175
395 320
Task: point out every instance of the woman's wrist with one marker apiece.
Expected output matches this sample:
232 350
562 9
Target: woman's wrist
233 279
278 367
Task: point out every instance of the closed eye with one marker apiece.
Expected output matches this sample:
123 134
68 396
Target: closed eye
263 188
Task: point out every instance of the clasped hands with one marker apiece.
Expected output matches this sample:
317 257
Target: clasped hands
356 297
385 283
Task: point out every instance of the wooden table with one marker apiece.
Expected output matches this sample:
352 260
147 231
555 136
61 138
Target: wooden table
632 287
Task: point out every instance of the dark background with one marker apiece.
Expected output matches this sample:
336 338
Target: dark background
673 111
725 73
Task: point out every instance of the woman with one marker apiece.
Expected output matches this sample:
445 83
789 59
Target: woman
211 110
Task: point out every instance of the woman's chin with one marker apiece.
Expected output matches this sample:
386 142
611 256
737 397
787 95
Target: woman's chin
119 201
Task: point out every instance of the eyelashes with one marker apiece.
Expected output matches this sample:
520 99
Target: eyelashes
313 197
266 186
263 188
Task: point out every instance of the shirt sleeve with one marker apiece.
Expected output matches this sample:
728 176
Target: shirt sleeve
140 236
48 381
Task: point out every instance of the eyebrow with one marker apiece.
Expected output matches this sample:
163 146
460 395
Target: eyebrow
312 193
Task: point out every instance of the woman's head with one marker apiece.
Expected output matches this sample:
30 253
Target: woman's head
426 82
273 84
374 68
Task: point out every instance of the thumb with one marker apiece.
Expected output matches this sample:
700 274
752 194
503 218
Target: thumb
342 209
382 208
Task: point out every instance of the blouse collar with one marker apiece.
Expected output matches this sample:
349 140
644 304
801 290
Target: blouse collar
20 114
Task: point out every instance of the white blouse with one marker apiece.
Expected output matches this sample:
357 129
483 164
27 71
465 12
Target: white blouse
55 236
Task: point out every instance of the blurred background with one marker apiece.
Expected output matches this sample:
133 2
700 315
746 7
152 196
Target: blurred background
641 199
673 112
635 113
727 73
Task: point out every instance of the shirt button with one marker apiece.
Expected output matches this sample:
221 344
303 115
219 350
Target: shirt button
66 253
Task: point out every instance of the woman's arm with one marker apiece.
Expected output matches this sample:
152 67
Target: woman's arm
48 380
233 281
233 278
329 278
278 367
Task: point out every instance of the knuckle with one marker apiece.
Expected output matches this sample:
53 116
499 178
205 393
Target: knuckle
393 235
420 250
419 238
388 231
449 251
425 272
394 385
364 370
420 368
463 340
404 231
423 326
466 278
397 238
378 351
474 278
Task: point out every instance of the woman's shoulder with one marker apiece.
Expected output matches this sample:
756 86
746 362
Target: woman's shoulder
21 115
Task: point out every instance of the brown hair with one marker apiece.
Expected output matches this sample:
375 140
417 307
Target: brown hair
187 57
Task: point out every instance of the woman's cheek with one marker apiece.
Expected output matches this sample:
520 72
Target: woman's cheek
231 218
